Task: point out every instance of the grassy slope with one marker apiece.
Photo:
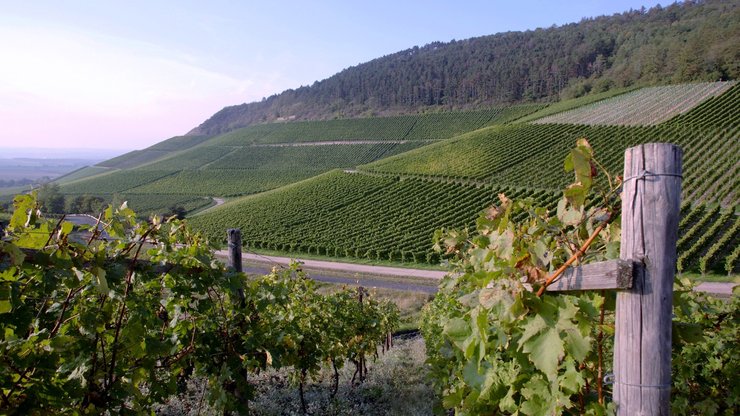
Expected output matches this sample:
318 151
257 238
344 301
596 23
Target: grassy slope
515 155
245 161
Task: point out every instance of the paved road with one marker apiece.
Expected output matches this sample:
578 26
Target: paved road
352 281
344 267
81 219
350 269
716 287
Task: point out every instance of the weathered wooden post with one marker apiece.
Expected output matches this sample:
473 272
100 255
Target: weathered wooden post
234 238
650 215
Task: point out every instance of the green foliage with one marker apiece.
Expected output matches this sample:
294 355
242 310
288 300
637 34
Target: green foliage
84 204
496 347
499 348
50 199
88 325
149 205
705 351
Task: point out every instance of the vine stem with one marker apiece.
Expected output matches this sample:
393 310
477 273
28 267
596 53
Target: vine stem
574 257
122 311
56 227
65 305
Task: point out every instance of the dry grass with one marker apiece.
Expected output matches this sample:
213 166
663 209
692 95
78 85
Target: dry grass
397 384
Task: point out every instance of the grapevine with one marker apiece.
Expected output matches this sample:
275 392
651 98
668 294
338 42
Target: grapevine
495 347
119 317
503 348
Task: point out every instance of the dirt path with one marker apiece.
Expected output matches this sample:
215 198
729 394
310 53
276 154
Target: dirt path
218 201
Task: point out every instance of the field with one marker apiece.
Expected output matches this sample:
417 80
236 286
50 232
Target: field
644 107
378 188
263 157
447 183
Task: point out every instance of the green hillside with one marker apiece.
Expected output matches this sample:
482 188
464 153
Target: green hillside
389 209
379 187
152 153
262 157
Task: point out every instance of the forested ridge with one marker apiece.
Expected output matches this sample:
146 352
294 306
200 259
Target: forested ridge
690 41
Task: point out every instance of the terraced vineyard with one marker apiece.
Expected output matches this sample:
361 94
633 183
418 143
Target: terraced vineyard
449 182
355 215
409 175
236 170
644 107
81 173
223 182
495 155
152 153
263 157
113 182
434 126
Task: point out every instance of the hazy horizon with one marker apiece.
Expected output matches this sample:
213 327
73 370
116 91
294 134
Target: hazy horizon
88 74
59 153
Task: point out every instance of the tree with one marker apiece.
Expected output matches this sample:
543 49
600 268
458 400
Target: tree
50 199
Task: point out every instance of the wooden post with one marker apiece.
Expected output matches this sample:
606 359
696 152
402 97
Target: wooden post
234 236
650 213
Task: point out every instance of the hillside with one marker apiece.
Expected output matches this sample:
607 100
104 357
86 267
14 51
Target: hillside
690 41
258 158
389 209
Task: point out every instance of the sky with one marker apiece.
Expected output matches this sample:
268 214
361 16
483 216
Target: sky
125 75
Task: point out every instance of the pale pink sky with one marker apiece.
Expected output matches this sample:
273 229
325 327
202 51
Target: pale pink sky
125 75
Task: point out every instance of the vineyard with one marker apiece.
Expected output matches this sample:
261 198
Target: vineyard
232 171
157 151
494 155
433 126
405 171
114 182
81 173
407 196
644 107
263 157
114 333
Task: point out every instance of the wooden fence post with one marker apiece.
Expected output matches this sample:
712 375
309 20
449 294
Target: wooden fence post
234 238
650 213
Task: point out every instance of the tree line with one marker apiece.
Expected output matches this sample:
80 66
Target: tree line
691 41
